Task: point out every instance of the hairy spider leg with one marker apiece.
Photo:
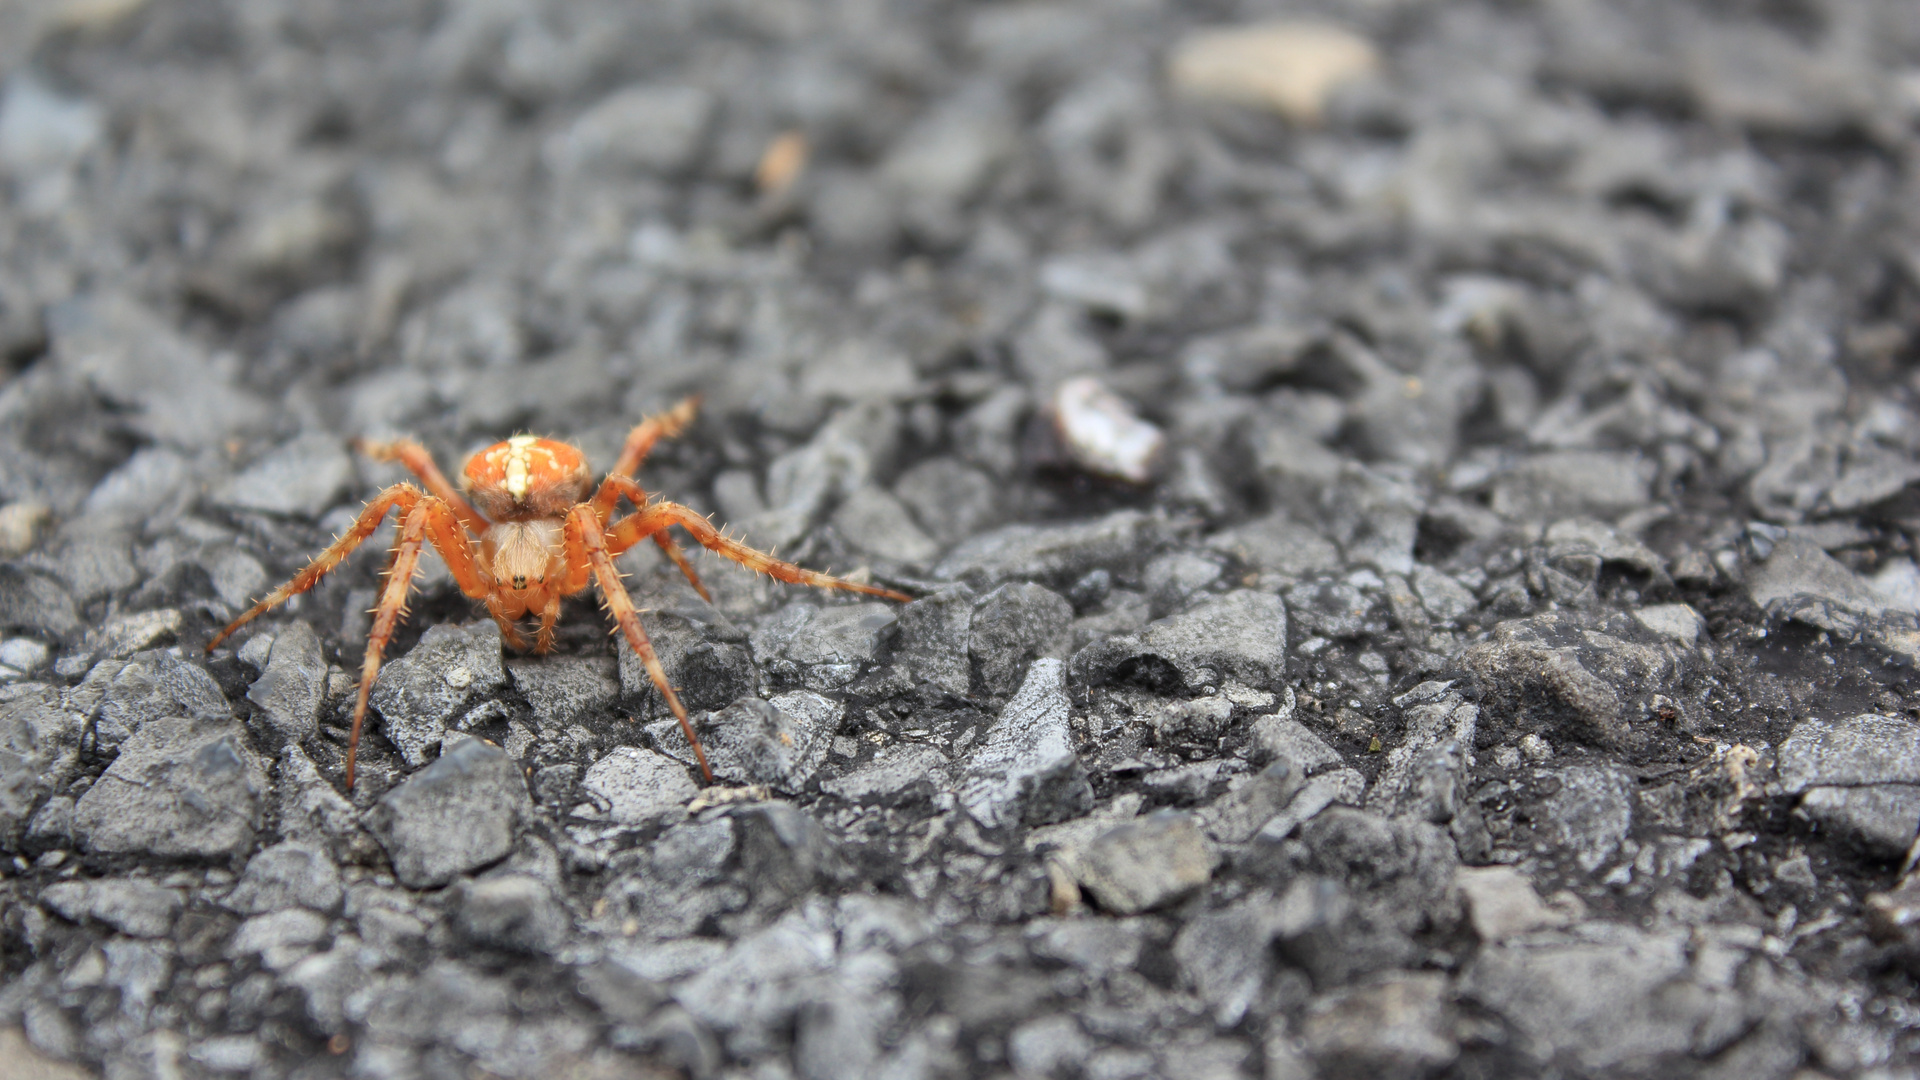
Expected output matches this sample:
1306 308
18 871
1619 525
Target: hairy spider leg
420 463
638 445
549 614
430 521
585 534
651 519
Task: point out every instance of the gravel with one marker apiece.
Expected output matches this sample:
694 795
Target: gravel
1411 510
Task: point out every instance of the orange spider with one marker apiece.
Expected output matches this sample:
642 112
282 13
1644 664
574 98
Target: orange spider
540 539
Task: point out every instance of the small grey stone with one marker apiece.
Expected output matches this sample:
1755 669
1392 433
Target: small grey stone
1240 636
36 604
1280 545
1866 749
951 500
294 683
565 689
23 655
130 905
1424 774
288 874
1146 864
932 642
1224 955
237 577
150 686
123 635
1280 738
1501 903
310 811
327 980
1800 581
1881 819
1627 997
51 826
1012 625
755 989
1025 769
458 814
1048 1046
179 788
1400 1027
1057 553
896 774
91 562
510 911
228 1053
39 750
303 478
1341 786
417 694
825 647
879 524
1445 599
1675 622
705 674
1332 609
280 938
780 742
950 151
154 485
1172 578
657 128
1590 814
638 786
1251 802
1559 484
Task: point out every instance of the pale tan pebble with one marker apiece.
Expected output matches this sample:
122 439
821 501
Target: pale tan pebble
1289 67
20 525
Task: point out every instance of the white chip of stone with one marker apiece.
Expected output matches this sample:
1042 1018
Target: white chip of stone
1101 432
1676 621
1290 67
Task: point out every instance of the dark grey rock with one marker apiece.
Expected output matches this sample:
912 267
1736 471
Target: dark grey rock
152 487
1318 926
36 604
310 811
1332 609
1145 864
92 562
1240 636
759 985
1375 518
1402 869
826 648
510 911
419 693
456 815
780 742
237 577
1443 597
303 478
1531 683
293 684
1025 769
130 905
150 686
1054 553
951 500
1171 579
565 689
1798 580
1338 787
1401 1026
279 939
1870 748
705 673
1224 955
288 874
1626 995
39 750
932 641
879 524
898 773
1424 774
124 635
1571 483
1049 1045
1251 802
1280 545
637 786
180 788
1013 625
1590 814
1280 738
646 127
1881 819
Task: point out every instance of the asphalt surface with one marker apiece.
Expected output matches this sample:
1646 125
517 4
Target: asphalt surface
1411 509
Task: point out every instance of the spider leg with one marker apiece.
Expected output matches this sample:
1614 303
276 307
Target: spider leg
633 528
420 463
549 614
679 558
583 529
405 496
509 633
639 443
414 534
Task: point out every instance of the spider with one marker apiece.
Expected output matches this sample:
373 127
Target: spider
535 538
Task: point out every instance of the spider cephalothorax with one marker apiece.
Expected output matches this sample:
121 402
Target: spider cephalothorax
531 537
